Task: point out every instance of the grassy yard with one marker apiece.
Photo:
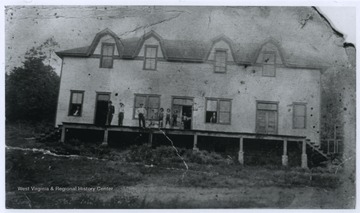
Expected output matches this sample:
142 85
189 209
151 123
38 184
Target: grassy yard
145 177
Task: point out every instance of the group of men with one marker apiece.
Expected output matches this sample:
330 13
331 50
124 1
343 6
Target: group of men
170 120
110 113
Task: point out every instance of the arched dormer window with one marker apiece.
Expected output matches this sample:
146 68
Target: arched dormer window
107 46
221 53
269 57
150 48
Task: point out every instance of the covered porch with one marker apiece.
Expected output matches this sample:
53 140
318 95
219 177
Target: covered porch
195 134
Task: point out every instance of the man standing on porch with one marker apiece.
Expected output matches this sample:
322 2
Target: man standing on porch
110 113
121 114
141 115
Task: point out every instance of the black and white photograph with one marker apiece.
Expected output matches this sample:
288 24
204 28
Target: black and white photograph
179 106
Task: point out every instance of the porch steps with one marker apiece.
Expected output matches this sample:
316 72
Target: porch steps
52 135
315 152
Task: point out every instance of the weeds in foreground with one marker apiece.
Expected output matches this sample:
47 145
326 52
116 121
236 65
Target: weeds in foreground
119 201
166 155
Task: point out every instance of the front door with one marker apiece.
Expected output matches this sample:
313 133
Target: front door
187 112
183 106
266 117
101 109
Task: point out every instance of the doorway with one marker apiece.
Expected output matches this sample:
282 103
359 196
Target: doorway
183 107
267 117
102 100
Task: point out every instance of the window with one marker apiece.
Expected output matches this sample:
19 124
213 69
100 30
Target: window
150 102
266 117
299 116
269 64
220 61
76 101
107 53
150 57
218 111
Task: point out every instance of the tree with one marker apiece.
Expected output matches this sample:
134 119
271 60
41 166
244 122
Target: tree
32 89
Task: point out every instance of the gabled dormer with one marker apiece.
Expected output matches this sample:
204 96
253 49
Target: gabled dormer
269 57
221 53
150 48
107 46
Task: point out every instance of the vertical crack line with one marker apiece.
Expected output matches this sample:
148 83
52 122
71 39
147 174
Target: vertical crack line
177 153
209 19
347 159
28 200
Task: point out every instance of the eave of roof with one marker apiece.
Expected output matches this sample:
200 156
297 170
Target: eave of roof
192 51
80 51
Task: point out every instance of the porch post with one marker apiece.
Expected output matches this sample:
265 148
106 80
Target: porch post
304 163
63 132
150 139
241 151
285 156
195 148
106 134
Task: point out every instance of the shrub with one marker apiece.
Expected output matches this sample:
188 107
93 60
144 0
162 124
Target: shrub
159 155
205 157
325 180
142 153
167 154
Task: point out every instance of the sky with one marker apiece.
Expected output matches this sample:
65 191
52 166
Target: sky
343 19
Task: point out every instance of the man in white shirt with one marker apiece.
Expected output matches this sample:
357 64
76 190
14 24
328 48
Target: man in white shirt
121 114
141 115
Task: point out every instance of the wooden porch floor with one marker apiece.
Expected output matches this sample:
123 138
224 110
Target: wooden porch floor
173 131
195 133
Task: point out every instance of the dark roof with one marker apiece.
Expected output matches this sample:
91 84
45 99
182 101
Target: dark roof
80 51
185 50
130 47
173 50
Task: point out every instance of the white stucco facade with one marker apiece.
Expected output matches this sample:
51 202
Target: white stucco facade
244 85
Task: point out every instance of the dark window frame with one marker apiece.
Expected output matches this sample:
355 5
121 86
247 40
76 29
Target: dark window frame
70 111
299 104
146 105
145 57
102 56
263 63
215 60
218 110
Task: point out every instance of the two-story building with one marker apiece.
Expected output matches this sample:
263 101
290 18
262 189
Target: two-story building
244 90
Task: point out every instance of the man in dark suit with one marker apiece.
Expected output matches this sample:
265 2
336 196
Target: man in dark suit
110 113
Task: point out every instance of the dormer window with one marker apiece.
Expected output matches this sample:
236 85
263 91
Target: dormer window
220 61
269 64
150 59
107 55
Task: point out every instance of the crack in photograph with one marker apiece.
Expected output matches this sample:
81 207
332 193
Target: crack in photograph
178 107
